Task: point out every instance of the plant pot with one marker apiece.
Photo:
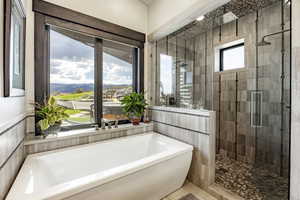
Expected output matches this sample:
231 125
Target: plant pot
52 130
135 121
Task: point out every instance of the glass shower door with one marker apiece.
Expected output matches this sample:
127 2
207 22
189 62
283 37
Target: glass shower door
272 124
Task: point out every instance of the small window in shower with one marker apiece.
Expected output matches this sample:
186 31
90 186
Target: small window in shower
232 57
256 108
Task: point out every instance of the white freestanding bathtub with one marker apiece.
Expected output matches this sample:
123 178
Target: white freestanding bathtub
142 167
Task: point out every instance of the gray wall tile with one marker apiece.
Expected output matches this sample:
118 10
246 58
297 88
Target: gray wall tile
12 155
198 131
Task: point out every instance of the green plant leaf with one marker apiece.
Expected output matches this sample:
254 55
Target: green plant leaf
44 124
50 113
52 101
134 104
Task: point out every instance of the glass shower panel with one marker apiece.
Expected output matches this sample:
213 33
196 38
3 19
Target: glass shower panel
273 81
252 103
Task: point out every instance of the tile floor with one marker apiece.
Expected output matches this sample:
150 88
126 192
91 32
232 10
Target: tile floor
190 188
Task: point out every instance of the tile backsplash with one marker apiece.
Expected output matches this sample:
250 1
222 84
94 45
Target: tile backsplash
80 137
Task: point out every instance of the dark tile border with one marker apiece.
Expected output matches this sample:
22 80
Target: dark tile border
176 112
15 124
12 153
181 127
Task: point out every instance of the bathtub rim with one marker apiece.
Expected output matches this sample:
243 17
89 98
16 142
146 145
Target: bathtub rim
64 190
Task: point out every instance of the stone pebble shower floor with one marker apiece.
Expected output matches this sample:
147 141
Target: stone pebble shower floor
250 182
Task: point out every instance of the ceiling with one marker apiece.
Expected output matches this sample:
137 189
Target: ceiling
215 18
147 2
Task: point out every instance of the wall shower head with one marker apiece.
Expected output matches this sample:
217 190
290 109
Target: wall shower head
263 43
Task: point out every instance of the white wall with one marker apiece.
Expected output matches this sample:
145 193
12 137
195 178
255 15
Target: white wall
295 133
129 13
14 106
166 16
296 23
29 72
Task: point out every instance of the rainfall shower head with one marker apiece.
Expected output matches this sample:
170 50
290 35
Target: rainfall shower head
228 17
263 43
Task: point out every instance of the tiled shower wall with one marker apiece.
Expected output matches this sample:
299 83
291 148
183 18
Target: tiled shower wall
267 143
229 93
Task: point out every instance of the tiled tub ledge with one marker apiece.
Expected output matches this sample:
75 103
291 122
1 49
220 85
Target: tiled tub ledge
199 121
195 112
34 144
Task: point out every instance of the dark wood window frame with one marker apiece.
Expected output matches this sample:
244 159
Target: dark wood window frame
222 54
50 14
8 6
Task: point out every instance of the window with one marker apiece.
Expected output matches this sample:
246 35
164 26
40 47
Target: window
232 57
88 65
72 74
117 78
166 71
167 86
73 71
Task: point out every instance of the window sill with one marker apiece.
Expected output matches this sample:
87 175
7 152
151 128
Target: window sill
63 135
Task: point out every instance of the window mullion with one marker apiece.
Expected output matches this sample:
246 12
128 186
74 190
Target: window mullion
141 70
98 80
135 69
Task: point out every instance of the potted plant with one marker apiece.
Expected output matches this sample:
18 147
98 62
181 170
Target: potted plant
51 116
134 105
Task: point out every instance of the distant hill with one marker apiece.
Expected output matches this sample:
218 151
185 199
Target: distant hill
70 88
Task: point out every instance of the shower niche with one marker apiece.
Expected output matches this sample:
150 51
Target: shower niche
250 93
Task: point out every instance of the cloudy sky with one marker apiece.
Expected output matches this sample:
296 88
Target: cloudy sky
72 62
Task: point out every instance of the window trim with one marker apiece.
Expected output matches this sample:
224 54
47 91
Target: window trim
68 15
222 50
8 6
42 56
